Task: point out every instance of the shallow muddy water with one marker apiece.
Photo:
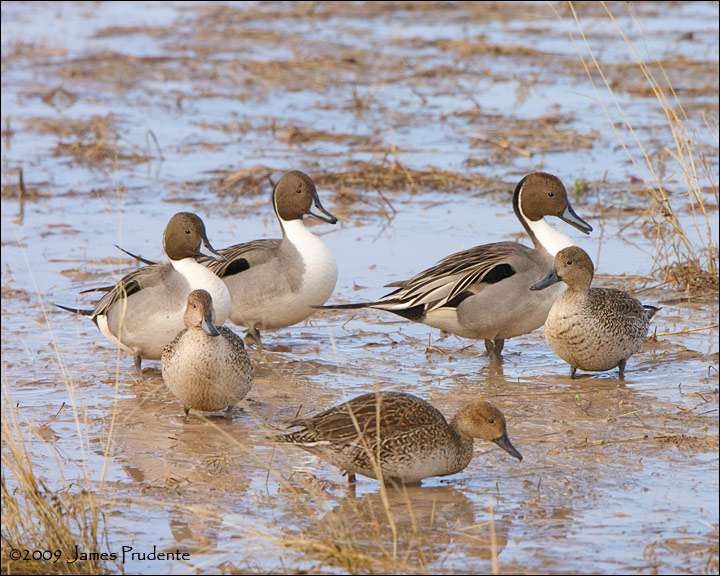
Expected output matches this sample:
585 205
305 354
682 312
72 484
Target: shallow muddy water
416 120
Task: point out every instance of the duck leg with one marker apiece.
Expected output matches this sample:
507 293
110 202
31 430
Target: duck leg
138 367
621 367
253 337
573 370
494 349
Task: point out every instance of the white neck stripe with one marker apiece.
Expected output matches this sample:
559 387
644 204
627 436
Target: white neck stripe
552 240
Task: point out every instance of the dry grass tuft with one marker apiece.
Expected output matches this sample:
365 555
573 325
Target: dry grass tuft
479 45
244 183
686 257
294 135
702 551
691 275
526 138
705 443
36 517
394 176
94 142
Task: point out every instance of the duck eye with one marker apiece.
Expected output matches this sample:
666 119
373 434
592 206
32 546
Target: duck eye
491 421
299 190
187 231
569 262
551 194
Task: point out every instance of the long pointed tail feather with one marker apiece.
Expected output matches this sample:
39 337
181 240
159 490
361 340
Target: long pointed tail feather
140 258
353 306
77 310
414 313
109 288
98 289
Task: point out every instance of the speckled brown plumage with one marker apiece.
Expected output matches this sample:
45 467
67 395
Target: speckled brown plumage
410 440
593 329
207 368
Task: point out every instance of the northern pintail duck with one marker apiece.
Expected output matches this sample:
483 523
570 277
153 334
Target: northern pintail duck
206 367
411 441
144 311
593 329
276 283
482 293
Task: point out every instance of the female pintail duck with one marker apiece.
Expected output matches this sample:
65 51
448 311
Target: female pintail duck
593 329
275 283
412 440
482 293
206 367
144 311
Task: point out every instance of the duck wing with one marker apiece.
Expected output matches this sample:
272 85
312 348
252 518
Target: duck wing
241 257
454 278
344 424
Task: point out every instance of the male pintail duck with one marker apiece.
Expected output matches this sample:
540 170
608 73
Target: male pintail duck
275 283
482 293
415 440
206 367
144 311
593 329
